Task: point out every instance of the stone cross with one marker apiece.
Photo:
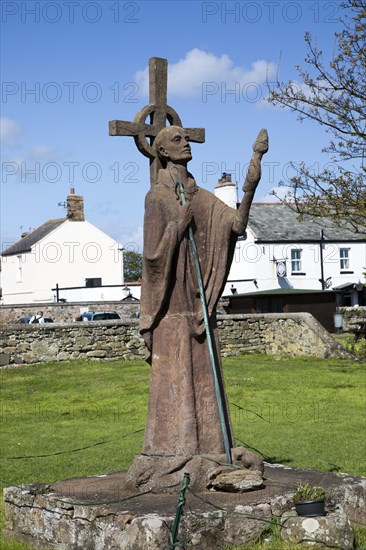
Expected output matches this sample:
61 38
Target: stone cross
159 112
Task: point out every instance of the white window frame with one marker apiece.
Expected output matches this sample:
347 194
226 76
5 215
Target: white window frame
344 259
296 260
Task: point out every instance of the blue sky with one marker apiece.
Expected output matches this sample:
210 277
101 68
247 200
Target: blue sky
68 67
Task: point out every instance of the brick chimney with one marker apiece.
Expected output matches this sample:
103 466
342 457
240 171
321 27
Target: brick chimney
75 207
226 190
225 179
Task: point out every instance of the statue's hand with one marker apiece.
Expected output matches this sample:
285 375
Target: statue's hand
261 143
185 215
260 147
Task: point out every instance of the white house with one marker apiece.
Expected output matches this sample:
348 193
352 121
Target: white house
65 259
279 252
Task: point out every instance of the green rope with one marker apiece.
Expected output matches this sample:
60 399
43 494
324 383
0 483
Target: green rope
231 513
153 491
158 454
210 344
27 457
173 543
227 464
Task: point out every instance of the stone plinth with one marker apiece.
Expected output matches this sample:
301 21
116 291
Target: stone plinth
99 513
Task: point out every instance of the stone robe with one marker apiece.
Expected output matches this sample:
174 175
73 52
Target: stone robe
183 414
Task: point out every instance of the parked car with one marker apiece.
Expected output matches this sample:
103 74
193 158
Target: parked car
98 316
25 320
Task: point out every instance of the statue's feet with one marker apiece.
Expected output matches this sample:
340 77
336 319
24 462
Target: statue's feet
161 473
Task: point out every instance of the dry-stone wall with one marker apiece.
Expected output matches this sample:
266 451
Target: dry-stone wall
276 334
351 315
291 334
61 342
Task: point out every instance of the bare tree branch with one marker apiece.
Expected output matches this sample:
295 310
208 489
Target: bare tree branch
334 96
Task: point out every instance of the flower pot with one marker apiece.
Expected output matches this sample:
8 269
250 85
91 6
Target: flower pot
310 508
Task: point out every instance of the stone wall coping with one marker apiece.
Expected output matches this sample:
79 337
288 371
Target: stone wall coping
300 315
40 305
132 322
74 325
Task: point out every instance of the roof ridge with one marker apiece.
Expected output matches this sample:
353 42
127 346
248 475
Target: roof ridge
25 243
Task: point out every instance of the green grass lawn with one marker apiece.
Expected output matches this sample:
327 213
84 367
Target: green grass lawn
62 420
300 411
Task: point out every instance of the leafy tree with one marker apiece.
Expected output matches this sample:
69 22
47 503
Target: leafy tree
132 266
334 95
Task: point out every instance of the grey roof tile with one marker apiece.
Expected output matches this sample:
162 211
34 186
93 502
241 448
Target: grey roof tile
276 222
25 243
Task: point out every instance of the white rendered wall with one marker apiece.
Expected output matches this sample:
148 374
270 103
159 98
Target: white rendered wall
254 261
228 194
67 256
254 265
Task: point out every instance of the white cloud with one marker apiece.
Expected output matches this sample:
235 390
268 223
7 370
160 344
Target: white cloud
10 132
34 165
130 237
187 76
44 153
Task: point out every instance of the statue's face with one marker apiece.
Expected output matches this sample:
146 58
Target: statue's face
175 145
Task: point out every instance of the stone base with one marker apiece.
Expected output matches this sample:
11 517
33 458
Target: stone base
331 531
101 513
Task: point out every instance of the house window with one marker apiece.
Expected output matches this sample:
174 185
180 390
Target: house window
344 258
96 281
296 260
19 276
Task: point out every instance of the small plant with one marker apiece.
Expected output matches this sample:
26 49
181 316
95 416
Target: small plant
308 492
